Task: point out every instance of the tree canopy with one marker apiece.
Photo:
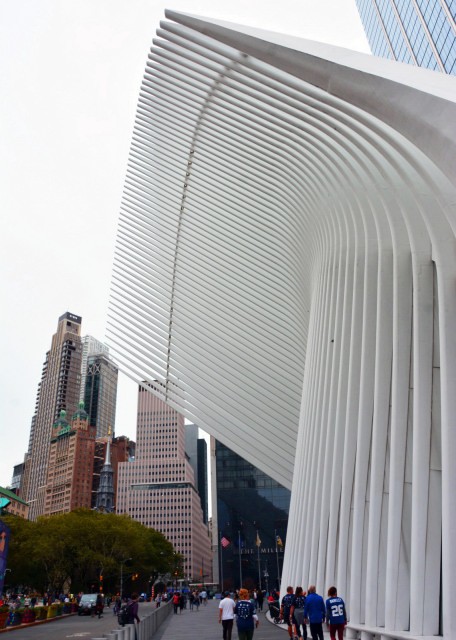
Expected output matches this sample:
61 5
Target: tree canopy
85 549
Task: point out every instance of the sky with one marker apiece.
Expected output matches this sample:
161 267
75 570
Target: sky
70 74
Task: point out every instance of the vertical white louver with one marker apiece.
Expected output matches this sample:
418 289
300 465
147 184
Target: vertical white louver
286 268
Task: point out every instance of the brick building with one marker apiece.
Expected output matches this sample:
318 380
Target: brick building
70 468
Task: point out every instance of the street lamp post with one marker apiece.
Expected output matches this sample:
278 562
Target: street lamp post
121 576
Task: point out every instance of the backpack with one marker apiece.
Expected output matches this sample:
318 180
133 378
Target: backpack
124 615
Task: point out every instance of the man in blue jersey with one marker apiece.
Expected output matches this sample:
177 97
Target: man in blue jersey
285 609
314 613
246 618
336 614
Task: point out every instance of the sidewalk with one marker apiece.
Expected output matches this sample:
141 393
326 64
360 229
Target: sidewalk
203 625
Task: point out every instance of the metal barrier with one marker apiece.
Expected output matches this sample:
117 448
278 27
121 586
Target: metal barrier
144 630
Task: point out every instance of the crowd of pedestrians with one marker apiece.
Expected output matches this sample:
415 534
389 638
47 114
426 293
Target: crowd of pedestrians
299 610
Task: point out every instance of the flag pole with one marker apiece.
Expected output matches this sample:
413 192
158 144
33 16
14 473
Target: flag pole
258 557
221 563
277 557
240 560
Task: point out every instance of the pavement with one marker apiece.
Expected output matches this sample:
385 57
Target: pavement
203 624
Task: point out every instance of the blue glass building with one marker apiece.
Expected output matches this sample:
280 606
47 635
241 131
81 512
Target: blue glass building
421 32
251 508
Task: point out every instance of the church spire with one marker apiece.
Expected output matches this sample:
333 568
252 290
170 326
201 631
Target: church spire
105 493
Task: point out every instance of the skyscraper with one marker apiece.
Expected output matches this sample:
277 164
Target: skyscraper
159 488
100 392
421 32
58 390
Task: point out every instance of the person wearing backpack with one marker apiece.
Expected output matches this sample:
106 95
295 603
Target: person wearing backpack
129 613
246 618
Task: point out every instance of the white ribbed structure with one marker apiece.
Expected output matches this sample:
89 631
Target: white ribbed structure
286 267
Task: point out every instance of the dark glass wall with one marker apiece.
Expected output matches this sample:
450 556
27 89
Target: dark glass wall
249 503
202 476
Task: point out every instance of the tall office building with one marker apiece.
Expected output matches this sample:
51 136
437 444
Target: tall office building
251 507
90 346
100 392
158 488
58 390
421 32
70 467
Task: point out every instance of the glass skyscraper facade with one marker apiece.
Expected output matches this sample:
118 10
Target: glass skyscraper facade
420 32
251 508
100 393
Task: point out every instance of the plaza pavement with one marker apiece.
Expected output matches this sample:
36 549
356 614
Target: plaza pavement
203 624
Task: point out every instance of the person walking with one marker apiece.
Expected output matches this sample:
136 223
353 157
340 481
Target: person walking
297 613
314 613
132 611
99 605
336 614
176 601
246 618
285 609
226 615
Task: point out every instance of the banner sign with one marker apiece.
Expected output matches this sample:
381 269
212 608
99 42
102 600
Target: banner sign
4 542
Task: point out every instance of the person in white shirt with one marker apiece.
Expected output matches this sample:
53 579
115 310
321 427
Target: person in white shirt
226 615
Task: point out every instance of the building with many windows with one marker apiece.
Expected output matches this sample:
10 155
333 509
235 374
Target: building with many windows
70 467
58 390
421 32
158 488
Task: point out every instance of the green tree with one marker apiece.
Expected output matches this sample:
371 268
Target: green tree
77 548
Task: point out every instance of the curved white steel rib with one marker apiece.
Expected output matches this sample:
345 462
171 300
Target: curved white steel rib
285 267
